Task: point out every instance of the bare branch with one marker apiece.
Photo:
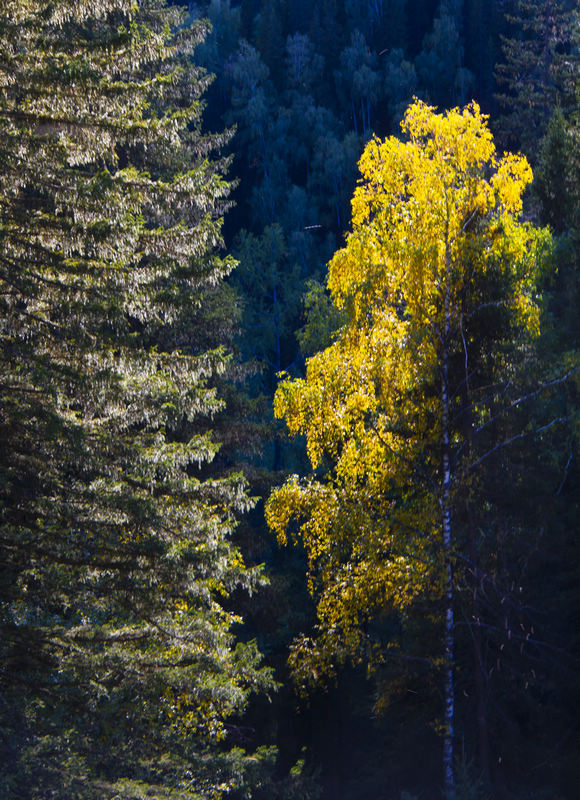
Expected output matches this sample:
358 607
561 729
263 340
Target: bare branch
512 439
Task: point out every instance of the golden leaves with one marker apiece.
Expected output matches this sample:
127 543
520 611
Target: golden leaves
513 175
432 217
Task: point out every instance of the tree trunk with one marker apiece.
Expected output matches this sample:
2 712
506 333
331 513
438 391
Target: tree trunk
449 775
479 670
479 667
449 616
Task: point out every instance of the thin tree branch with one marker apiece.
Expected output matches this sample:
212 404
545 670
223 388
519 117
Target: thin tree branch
513 439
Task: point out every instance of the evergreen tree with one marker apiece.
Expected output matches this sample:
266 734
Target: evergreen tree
481 43
558 174
118 665
540 68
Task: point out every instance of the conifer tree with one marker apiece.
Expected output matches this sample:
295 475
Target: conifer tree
540 69
118 665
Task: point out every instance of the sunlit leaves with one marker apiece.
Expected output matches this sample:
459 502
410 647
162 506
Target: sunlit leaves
433 218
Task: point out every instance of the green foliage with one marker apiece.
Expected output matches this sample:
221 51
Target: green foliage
557 185
118 664
323 319
540 68
264 276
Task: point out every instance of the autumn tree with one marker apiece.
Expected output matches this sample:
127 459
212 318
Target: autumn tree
437 281
118 665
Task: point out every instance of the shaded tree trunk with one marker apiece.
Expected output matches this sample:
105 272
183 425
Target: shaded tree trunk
478 662
449 719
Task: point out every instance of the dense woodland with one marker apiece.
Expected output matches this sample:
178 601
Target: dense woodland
289 417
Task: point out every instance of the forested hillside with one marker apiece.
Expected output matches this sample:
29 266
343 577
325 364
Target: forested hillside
289 415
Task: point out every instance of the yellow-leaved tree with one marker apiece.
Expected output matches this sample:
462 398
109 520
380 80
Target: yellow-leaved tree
437 278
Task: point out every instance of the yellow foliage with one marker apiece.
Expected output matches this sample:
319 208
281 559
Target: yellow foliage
431 217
